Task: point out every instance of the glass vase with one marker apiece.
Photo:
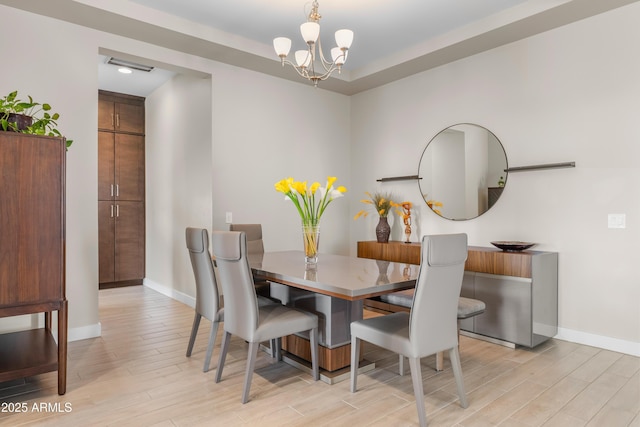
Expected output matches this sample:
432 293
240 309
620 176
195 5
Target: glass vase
311 240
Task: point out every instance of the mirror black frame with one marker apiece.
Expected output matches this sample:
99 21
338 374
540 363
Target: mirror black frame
486 189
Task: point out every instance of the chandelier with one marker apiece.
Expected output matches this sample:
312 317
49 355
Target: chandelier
307 64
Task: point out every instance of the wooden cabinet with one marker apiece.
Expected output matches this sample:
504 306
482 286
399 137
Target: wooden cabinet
121 235
121 190
120 113
120 167
32 253
520 289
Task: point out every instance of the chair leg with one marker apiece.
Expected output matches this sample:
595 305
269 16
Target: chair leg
224 347
439 361
194 332
212 341
355 356
313 335
416 378
251 363
401 365
454 355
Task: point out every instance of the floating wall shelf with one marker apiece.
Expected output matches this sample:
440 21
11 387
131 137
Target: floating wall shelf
399 178
545 166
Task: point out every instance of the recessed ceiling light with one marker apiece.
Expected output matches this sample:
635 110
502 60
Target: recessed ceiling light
128 64
124 70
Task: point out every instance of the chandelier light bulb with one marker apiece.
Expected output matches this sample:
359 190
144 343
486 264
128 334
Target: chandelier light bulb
310 31
282 46
344 38
303 58
338 56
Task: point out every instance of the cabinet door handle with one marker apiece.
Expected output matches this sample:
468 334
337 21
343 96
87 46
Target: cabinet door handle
111 190
112 119
117 211
111 211
117 120
117 190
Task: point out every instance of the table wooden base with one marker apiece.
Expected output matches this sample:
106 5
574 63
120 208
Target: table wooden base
329 377
330 359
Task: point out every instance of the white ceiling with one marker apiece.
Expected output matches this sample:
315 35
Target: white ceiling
393 39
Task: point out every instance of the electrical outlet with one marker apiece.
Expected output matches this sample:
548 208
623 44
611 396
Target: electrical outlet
228 218
617 220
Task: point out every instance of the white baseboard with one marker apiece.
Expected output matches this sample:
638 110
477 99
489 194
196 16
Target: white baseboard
80 333
84 332
170 292
607 343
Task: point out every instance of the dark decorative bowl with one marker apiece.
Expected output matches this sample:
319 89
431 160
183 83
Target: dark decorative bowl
512 246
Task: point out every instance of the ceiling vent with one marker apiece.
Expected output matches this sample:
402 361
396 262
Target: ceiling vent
128 64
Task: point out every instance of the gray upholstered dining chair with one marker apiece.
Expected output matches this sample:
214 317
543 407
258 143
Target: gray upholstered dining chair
244 318
208 301
467 308
207 297
431 324
255 246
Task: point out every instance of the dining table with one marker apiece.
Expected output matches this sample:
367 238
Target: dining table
333 288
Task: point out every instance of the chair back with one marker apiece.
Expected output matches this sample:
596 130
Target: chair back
433 324
207 297
255 244
234 272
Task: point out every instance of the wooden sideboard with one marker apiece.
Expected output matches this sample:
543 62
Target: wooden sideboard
520 289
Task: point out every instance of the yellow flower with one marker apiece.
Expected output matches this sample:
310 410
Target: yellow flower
284 186
359 214
300 187
314 187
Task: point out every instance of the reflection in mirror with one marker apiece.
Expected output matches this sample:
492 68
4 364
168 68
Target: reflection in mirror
462 171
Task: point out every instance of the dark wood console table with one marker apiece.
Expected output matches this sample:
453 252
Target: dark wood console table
520 289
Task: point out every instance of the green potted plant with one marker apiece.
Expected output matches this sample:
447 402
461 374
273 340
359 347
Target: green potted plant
28 117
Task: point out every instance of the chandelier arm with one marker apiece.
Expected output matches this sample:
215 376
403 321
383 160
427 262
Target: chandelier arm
302 71
310 74
325 64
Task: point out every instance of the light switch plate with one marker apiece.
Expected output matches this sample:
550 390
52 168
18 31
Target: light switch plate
617 220
228 218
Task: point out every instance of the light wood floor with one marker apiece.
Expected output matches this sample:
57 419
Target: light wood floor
137 374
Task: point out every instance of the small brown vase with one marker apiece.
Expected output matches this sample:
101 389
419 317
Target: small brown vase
383 230
20 121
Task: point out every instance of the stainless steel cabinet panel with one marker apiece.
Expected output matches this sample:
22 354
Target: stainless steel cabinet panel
508 313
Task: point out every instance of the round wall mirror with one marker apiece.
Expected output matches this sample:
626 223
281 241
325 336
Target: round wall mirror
463 171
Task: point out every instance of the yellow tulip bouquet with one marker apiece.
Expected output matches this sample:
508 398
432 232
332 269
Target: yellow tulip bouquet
311 202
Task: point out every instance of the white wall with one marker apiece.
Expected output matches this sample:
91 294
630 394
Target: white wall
178 178
265 130
570 94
